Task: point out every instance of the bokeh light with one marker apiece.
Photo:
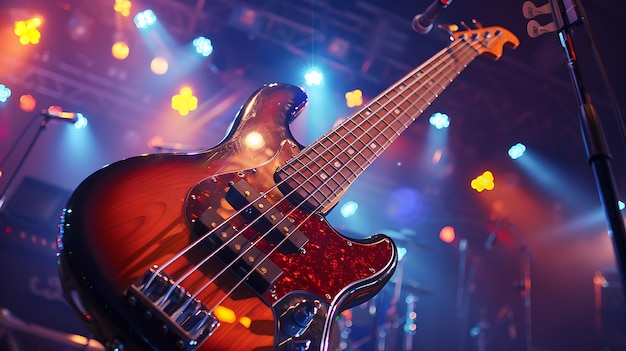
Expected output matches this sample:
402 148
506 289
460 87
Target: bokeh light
184 102
28 103
120 50
159 65
27 31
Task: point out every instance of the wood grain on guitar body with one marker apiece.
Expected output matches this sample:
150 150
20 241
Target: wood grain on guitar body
229 248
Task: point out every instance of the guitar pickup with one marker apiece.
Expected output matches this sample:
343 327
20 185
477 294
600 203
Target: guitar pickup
265 273
265 218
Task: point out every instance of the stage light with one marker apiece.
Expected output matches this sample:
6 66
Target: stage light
159 65
354 98
313 77
484 181
120 50
27 31
80 27
203 46
28 103
245 19
349 209
81 121
516 151
338 47
122 7
5 93
402 251
439 120
57 112
447 234
184 102
144 19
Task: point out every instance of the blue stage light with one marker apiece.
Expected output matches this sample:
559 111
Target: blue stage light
516 151
313 77
144 19
203 46
5 93
349 208
439 120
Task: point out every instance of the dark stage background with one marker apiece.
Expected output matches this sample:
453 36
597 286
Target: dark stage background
544 211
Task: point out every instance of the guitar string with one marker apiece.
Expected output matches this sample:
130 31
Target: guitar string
411 75
247 249
286 238
373 158
206 235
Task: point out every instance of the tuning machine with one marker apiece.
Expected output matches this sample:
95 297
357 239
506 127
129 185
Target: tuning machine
453 28
531 11
564 13
450 28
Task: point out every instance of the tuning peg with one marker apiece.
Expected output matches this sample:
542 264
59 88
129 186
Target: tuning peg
535 29
465 25
477 23
450 28
531 11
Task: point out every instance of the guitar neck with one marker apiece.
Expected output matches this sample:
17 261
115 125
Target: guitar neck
326 168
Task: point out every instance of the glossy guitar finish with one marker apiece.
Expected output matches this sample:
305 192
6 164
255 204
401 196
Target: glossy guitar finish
229 248
139 212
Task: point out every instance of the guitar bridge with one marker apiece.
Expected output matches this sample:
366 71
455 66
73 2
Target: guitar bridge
185 320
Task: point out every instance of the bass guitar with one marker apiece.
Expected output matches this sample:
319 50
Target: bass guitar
229 248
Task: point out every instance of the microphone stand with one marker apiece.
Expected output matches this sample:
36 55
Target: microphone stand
597 153
9 185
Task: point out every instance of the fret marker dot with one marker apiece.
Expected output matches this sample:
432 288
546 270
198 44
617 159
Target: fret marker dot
337 164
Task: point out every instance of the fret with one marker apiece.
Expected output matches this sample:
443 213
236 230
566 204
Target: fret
384 99
357 144
391 133
376 108
367 124
306 187
329 155
305 160
340 133
377 128
358 118
328 166
323 195
360 158
410 110
354 167
410 100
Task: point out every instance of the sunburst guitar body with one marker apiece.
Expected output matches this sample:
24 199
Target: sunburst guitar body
229 248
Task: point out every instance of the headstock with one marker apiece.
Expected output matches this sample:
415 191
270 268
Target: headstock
487 40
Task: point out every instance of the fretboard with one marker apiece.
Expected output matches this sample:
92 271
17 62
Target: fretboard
327 167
